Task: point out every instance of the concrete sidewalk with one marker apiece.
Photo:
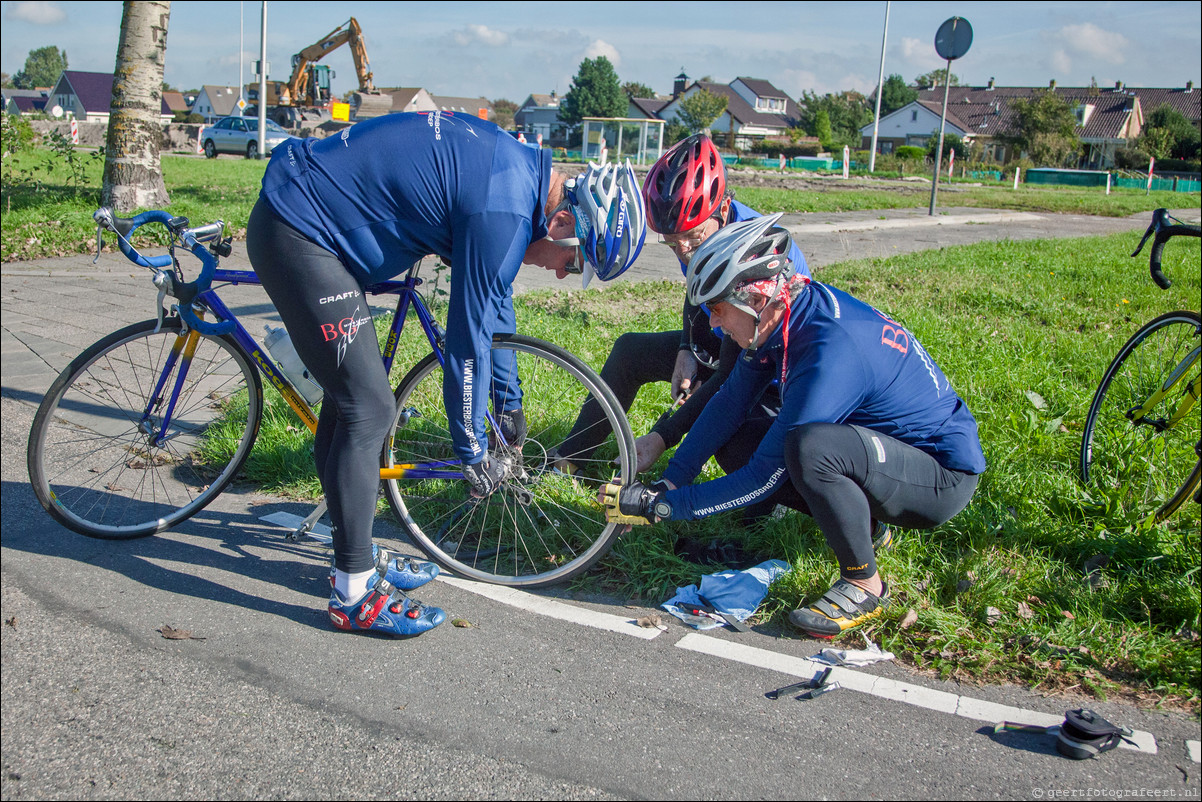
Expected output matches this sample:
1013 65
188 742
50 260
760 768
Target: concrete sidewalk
54 308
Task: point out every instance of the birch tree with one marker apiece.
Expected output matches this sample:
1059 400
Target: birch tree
132 175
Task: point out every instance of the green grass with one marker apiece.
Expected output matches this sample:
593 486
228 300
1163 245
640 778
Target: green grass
1008 322
859 196
56 220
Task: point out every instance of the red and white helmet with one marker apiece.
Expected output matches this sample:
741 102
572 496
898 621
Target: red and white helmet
685 186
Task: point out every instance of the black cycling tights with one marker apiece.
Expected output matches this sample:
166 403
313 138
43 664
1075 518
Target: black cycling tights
326 313
847 476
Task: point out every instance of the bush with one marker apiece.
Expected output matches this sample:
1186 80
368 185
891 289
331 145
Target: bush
911 153
1177 165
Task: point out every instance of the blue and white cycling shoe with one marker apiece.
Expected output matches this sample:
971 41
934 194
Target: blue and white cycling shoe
383 608
398 570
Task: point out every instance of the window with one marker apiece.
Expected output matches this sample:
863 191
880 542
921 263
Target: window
914 116
772 105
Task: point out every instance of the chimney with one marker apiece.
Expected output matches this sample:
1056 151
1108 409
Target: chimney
1118 86
1189 86
1052 84
681 83
990 87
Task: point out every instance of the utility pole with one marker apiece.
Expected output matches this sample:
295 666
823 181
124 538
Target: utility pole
263 82
241 51
880 85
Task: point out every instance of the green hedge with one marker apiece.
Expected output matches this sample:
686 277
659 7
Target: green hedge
790 150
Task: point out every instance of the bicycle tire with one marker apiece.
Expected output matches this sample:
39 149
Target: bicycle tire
90 459
1154 471
542 527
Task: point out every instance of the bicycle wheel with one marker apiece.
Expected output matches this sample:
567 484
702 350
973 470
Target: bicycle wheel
1151 466
542 526
96 458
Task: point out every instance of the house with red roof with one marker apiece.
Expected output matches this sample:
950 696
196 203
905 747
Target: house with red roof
1107 119
755 109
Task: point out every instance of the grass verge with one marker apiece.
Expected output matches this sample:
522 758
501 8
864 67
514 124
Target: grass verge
51 219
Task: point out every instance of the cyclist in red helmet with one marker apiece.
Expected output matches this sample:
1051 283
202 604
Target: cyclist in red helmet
687 201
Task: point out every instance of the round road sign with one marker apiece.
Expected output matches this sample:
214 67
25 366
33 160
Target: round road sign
953 39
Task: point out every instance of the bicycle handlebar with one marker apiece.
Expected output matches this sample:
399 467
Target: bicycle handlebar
1163 231
192 239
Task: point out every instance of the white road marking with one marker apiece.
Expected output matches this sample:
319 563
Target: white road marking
553 609
885 688
287 520
802 667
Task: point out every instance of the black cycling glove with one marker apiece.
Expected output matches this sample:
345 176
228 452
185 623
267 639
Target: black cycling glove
636 504
484 477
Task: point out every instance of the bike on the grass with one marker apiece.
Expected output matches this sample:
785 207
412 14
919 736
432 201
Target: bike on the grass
151 423
1141 438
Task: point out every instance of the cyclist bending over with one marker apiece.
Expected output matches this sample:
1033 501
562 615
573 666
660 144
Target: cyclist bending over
337 214
869 426
687 201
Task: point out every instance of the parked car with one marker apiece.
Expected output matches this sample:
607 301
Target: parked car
241 135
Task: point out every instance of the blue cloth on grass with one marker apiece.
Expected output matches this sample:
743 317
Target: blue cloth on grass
735 593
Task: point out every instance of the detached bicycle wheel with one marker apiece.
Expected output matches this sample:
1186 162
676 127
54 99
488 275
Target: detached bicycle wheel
1133 449
542 526
99 458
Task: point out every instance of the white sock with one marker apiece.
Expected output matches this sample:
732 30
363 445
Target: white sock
352 586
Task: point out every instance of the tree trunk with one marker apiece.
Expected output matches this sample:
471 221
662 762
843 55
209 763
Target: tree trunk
132 177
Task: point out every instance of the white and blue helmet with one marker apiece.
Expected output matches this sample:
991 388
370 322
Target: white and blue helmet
610 218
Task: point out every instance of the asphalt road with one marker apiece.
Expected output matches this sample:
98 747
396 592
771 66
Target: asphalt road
269 702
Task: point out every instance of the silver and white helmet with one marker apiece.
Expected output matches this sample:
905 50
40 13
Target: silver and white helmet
738 254
610 219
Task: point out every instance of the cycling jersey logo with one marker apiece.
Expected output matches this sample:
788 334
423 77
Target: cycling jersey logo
435 120
893 335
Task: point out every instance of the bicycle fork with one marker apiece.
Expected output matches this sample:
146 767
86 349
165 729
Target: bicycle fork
182 352
1189 396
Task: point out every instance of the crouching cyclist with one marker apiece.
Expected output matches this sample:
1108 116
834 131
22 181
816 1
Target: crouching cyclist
869 427
687 201
338 214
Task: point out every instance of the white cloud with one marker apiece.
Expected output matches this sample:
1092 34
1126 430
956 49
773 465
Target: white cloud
919 54
600 47
38 13
1061 62
481 35
1089 40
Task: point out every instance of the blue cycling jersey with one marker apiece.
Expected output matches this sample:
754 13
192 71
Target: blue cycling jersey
846 363
386 192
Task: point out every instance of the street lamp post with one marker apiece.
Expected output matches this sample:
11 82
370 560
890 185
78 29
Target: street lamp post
880 85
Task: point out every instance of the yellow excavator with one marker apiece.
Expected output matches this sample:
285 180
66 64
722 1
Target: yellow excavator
305 98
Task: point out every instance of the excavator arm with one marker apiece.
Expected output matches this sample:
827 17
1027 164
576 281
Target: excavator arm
298 84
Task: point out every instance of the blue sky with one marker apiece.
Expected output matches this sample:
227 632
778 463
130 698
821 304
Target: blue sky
511 49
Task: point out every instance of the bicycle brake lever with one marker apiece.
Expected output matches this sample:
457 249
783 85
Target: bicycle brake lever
99 242
162 280
1151 230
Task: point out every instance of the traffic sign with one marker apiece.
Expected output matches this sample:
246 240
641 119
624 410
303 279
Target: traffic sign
953 38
